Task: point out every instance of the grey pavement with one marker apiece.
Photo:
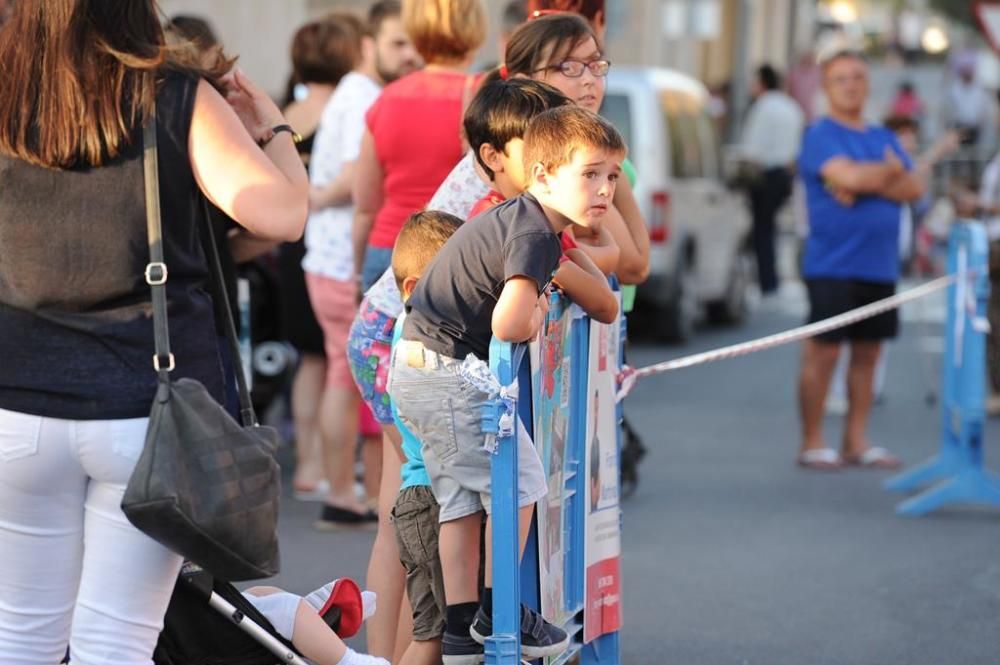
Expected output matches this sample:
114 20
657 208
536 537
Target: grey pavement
733 555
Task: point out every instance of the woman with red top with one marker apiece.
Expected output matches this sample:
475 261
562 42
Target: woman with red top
414 129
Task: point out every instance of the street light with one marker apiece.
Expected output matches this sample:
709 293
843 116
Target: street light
843 11
934 40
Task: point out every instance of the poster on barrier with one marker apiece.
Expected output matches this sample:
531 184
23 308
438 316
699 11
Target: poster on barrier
550 361
602 545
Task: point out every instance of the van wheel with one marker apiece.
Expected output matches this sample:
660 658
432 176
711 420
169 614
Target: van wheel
675 321
732 308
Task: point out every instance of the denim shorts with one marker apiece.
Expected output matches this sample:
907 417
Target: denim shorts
444 411
368 346
377 261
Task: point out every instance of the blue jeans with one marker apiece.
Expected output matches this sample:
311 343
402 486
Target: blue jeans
377 261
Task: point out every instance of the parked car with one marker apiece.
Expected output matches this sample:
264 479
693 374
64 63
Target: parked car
700 256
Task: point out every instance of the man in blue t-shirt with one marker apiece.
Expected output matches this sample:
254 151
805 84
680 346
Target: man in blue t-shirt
856 177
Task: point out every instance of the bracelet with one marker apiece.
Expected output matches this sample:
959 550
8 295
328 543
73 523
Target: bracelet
296 137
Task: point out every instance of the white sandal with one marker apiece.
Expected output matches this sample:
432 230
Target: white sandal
822 459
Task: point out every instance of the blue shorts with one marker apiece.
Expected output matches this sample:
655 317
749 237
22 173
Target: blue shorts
377 261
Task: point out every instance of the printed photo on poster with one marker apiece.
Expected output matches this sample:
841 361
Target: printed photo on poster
602 547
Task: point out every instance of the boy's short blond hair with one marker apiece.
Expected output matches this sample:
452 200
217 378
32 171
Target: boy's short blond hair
445 31
554 135
420 239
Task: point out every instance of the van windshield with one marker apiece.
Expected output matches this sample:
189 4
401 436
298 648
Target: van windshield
617 111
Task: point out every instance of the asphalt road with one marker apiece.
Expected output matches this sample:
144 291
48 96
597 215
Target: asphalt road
733 555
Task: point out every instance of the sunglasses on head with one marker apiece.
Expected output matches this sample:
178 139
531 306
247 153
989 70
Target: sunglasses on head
539 13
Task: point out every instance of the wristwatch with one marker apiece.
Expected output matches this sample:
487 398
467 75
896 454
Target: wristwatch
296 137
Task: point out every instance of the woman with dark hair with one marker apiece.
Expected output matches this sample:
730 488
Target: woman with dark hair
80 78
323 52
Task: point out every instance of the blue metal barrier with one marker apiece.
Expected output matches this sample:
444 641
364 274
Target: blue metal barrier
958 468
504 647
513 584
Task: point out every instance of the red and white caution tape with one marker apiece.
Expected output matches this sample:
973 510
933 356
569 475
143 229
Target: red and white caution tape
628 376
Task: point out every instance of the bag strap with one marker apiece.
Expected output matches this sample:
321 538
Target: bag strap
156 277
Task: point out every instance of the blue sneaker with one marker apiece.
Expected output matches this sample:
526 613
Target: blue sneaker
539 638
460 650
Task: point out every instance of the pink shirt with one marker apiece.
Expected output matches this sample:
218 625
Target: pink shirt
416 125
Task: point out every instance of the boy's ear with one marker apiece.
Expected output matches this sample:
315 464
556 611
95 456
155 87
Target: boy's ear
538 175
409 283
491 157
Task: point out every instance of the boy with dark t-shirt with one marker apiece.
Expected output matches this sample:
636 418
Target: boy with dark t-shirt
491 279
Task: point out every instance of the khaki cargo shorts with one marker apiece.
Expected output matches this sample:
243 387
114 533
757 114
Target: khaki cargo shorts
415 520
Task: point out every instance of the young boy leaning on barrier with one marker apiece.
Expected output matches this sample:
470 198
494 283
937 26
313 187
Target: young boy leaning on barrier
491 279
415 513
494 124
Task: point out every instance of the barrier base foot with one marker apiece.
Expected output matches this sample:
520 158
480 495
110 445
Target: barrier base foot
935 469
972 486
502 650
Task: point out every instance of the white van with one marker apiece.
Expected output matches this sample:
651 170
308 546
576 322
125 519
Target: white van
699 229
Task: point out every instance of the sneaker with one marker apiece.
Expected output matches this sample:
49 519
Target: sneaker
460 650
539 638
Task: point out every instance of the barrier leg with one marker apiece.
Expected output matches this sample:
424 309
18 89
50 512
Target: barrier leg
969 486
504 647
959 465
942 466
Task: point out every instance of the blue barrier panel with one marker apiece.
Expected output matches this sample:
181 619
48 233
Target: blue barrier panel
959 464
567 340
504 647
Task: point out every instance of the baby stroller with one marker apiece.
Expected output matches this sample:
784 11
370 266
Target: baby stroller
209 622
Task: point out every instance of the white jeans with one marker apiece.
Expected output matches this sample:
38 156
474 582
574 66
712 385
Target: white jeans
72 568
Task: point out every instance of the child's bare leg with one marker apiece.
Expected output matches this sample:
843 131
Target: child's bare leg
386 576
371 458
314 639
523 529
458 540
423 652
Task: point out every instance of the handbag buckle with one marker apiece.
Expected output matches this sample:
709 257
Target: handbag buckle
170 363
156 273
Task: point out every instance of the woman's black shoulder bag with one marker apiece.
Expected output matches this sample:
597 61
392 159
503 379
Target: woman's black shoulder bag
205 486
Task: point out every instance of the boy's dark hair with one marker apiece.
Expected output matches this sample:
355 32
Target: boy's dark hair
423 234
544 41
769 77
502 110
554 135
379 12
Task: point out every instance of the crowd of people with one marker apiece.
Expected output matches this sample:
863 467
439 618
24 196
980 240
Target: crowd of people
415 208
386 143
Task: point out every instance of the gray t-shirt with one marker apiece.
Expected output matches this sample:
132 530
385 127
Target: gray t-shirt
451 310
